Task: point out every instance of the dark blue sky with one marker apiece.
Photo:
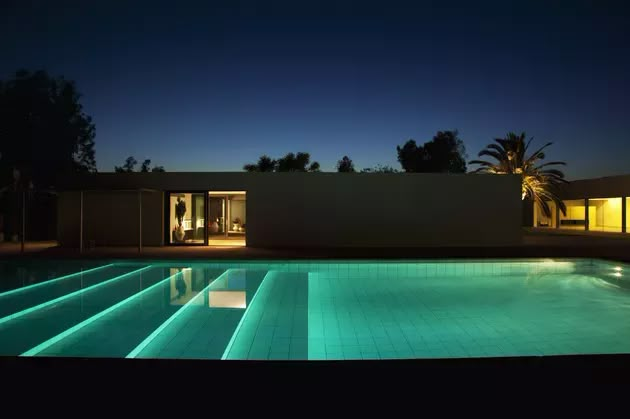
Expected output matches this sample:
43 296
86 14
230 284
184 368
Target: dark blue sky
199 86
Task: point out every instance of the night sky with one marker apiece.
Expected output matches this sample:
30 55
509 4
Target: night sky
209 86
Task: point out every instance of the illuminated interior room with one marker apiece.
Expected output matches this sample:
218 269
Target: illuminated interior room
541 220
227 217
575 218
604 214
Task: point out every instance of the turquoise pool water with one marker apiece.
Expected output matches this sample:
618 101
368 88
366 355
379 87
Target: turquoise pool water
314 310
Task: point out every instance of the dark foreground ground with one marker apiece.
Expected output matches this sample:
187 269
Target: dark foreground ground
323 384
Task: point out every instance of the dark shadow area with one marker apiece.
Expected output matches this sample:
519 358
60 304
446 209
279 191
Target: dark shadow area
546 372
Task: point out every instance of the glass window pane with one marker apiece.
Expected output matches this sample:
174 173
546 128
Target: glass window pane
186 214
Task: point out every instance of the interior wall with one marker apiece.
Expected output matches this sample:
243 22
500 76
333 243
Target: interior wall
541 220
238 210
575 218
607 214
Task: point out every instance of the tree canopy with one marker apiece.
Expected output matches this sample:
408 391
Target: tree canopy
289 163
445 153
131 162
44 131
265 164
345 165
379 169
539 182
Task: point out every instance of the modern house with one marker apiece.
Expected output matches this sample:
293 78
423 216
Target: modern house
592 205
290 209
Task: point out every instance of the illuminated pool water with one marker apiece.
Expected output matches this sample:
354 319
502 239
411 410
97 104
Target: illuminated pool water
314 310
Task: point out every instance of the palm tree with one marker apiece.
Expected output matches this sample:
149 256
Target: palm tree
539 181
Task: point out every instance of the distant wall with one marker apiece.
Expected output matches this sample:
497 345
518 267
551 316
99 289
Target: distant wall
110 218
385 210
605 187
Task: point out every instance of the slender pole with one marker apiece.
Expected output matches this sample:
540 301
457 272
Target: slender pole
228 216
624 209
81 225
139 221
587 221
163 210
23 219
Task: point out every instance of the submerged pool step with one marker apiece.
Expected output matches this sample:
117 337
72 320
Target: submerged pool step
50 342
204 328
38 275
120 328
276 324
32 297
25 329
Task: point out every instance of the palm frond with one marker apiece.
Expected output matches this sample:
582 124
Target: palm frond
538 153
492 154
482 162
527 145
551 163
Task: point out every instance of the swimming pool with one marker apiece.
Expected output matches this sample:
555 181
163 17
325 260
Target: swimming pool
313 310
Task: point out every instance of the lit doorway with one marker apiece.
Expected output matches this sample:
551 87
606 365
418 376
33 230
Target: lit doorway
227 216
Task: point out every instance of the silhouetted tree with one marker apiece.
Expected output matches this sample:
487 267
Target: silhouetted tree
539 182
289 163
345 165
379 169
130 164
128 167
146 166
445 153
297 163
265 164
43 129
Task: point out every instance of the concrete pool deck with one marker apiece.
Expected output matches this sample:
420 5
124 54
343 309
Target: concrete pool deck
535 244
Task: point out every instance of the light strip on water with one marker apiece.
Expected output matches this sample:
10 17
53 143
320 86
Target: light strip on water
50 281
45 345
240 323
72 294
168 321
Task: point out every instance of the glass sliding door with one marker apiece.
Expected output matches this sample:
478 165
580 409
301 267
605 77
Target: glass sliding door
187 217
227 217
216 216
238 220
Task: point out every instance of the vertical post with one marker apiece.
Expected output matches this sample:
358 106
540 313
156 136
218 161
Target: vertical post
81 224
624 227
206 217
23 220
228 211
557 216
139 221
586 220
163 212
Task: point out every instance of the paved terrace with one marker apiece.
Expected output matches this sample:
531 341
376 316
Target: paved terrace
535 244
